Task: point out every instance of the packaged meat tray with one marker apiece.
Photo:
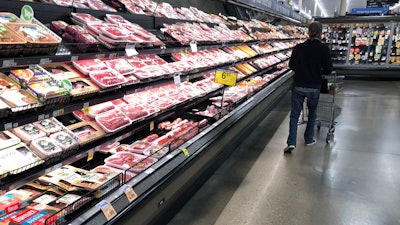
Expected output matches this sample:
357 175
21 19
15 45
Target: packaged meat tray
80 115
64 140
41 40
46 90
18 99
17 159
6 17
113 120
130 161
111 172
136 112
27 133
44 147
7 84
87 43
82 88
11 44
115 33
157 152
7 139
58 26
75 29
49 126
98 109
107 78
27 76
84 18
61 71
90 65
140 146
120 65
87 132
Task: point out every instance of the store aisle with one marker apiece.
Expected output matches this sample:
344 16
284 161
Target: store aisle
355 180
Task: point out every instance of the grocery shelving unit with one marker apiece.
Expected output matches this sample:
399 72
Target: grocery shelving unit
362 45
176 171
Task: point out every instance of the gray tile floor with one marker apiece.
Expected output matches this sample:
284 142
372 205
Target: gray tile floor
354 180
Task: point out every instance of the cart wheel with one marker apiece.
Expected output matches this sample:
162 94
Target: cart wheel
328 138
319 125
332 129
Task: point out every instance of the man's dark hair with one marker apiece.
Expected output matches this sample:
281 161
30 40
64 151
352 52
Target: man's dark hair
315 30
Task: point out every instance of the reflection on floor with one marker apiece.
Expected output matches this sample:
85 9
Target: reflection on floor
354 180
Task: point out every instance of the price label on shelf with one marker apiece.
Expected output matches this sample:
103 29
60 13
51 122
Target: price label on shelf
151 125
130 50
185 151
100 56
86 108
226 77
41 117
112 55
9 63
74 58
149 170
107 209
58 112
44 61
193 46
129 192
177 78
90 155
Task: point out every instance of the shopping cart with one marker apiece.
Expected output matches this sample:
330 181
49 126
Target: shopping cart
327 110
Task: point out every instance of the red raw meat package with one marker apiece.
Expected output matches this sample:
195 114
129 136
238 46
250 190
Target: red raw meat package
90 65
107 78
126 160
112 120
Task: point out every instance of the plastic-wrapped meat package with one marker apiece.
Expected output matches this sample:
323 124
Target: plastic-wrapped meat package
27 133
86 42
132 8
133 162
120 65
58 26
107 78
136 64
164 103
100 108
99 5
115 33
111 172
44 147
75 29
116 19
113 120
48 126
140 146
80 115
94 28
134 112
84 18
64 140
90 65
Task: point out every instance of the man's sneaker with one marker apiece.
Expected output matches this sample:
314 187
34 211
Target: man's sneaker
311 143
289 149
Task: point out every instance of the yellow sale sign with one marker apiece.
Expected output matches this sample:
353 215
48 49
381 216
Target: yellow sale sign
226 77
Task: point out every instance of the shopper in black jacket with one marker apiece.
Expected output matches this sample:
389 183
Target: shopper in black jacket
309 61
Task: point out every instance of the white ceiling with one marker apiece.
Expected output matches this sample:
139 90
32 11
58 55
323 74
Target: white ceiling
330 6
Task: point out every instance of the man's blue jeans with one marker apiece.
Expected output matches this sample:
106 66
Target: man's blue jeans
298 96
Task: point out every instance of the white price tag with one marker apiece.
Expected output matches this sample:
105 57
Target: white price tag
169 156
108 210
177 78
193 46
41 117
8 126
129 192
44 61
9 63
74 58
130 50
149 170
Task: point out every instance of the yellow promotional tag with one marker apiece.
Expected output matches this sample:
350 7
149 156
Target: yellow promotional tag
185 151
151 125
129 192
225 77
86 110
107 209
90 155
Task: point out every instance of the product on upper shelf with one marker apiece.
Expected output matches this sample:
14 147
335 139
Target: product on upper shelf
111 172
18 98
90 65
64 140
120 65
98 109
133 162
7 84
112 120
136 112
27 76
45 90
45 147
16 159
6 17
82 88
7 139
11 44
87 132
140 146
157 152
83 18
61 71
58 26
107 78
49 126
27 133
